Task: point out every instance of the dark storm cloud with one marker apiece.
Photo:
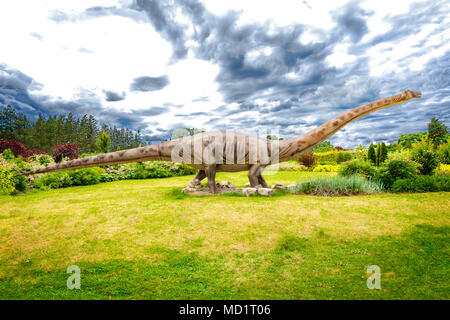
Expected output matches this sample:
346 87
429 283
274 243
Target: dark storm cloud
149 83
15 88
351 20
161 18
114 96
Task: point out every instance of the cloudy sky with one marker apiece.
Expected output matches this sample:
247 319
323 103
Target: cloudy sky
280 67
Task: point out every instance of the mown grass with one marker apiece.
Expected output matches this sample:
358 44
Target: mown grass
143 239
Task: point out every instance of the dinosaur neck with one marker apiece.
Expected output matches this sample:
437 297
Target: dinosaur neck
292 148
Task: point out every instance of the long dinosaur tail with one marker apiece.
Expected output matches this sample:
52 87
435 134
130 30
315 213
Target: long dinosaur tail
294 147
153 152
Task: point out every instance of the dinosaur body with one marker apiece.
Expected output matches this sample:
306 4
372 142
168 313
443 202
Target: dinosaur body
214 151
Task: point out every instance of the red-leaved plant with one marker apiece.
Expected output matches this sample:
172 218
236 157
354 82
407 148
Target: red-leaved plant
307 159
68 150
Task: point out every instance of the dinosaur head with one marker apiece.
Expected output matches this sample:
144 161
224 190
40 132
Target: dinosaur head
408 94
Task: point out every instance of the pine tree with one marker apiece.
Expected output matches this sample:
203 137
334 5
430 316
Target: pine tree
104 142
437 132
378 154
371 154
384 152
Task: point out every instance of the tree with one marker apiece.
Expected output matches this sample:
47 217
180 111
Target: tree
273 137
407 140
437 132
323 147
371 154
378 155
383 153
104 142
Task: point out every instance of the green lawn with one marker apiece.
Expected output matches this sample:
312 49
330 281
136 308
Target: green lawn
143 239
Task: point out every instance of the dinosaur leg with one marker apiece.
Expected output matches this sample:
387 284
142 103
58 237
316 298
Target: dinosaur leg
211 174
253 175
261 179
201 174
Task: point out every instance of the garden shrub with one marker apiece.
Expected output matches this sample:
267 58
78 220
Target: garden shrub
108 177
307 159
54 180
8 154
338 185
327 168
324 146
68 150
7 183
396 169
44 159
85 176
422 154
19 163
353 167
359 153
343 156
443 169
443 153
20 183
422 184
323 157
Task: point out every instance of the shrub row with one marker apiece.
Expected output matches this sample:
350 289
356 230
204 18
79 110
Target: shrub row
422 184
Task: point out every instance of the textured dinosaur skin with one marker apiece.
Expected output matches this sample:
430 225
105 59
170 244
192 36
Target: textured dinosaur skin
233 152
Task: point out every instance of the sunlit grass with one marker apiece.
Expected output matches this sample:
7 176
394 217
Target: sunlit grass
144 239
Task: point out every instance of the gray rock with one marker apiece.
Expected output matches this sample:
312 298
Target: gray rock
266 191
290 186
279 186
249 191
227 184
247 184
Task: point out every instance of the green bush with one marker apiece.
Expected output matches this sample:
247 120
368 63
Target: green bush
422 184
8 154
362 168
54 180
20 183
396 169
7 184
19 163
343 156
108 177
323 147
337 186
85 176
443 153
422 154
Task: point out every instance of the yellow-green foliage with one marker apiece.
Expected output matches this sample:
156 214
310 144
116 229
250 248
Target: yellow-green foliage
6 181
325 156
443 169
327 168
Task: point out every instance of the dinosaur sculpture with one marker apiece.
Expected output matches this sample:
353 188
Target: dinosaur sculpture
214 151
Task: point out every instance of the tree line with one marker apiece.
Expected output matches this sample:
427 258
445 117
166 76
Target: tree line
47 132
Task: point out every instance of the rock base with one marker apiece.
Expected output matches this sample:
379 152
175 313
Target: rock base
194 188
